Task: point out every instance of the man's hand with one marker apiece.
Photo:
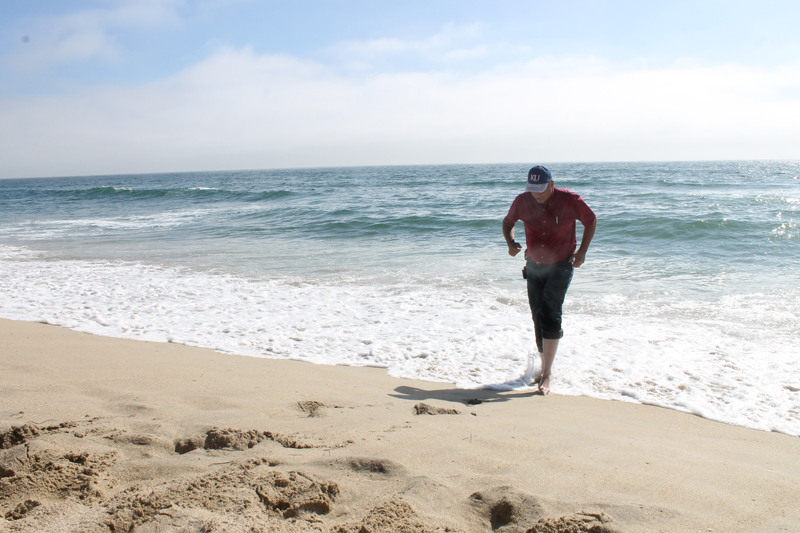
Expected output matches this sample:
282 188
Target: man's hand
513 248
578 258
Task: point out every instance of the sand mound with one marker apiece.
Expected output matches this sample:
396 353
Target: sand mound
46 474
52 473
576 523
394 516
252 490
235 439
311 408
22 509
220 439
295 493
16 435
425 409
64 482
6 471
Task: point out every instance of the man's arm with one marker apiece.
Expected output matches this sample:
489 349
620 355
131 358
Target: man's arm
513 246
580 254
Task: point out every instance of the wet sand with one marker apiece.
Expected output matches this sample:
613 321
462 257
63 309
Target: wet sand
104 434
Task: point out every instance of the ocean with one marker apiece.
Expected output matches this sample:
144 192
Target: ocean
689 298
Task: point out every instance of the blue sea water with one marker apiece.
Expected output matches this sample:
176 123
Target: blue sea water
689 298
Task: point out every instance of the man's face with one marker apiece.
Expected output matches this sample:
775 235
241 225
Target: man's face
543 196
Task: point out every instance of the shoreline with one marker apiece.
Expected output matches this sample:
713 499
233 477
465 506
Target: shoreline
625 398
342 448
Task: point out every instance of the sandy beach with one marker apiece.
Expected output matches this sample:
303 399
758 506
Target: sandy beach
105 434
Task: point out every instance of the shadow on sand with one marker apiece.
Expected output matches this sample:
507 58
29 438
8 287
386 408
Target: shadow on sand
462 396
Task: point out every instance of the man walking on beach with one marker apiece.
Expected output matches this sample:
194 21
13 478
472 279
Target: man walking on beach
549 215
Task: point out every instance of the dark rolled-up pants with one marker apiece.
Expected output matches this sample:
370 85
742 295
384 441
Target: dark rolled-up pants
547 287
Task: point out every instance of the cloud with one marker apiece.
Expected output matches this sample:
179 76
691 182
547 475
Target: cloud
455 47
451 36
89 34
241 109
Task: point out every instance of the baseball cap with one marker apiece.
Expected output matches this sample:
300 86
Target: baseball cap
538 178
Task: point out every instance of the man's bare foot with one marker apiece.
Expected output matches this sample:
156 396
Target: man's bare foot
544 385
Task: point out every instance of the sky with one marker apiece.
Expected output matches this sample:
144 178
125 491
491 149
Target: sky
91 87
